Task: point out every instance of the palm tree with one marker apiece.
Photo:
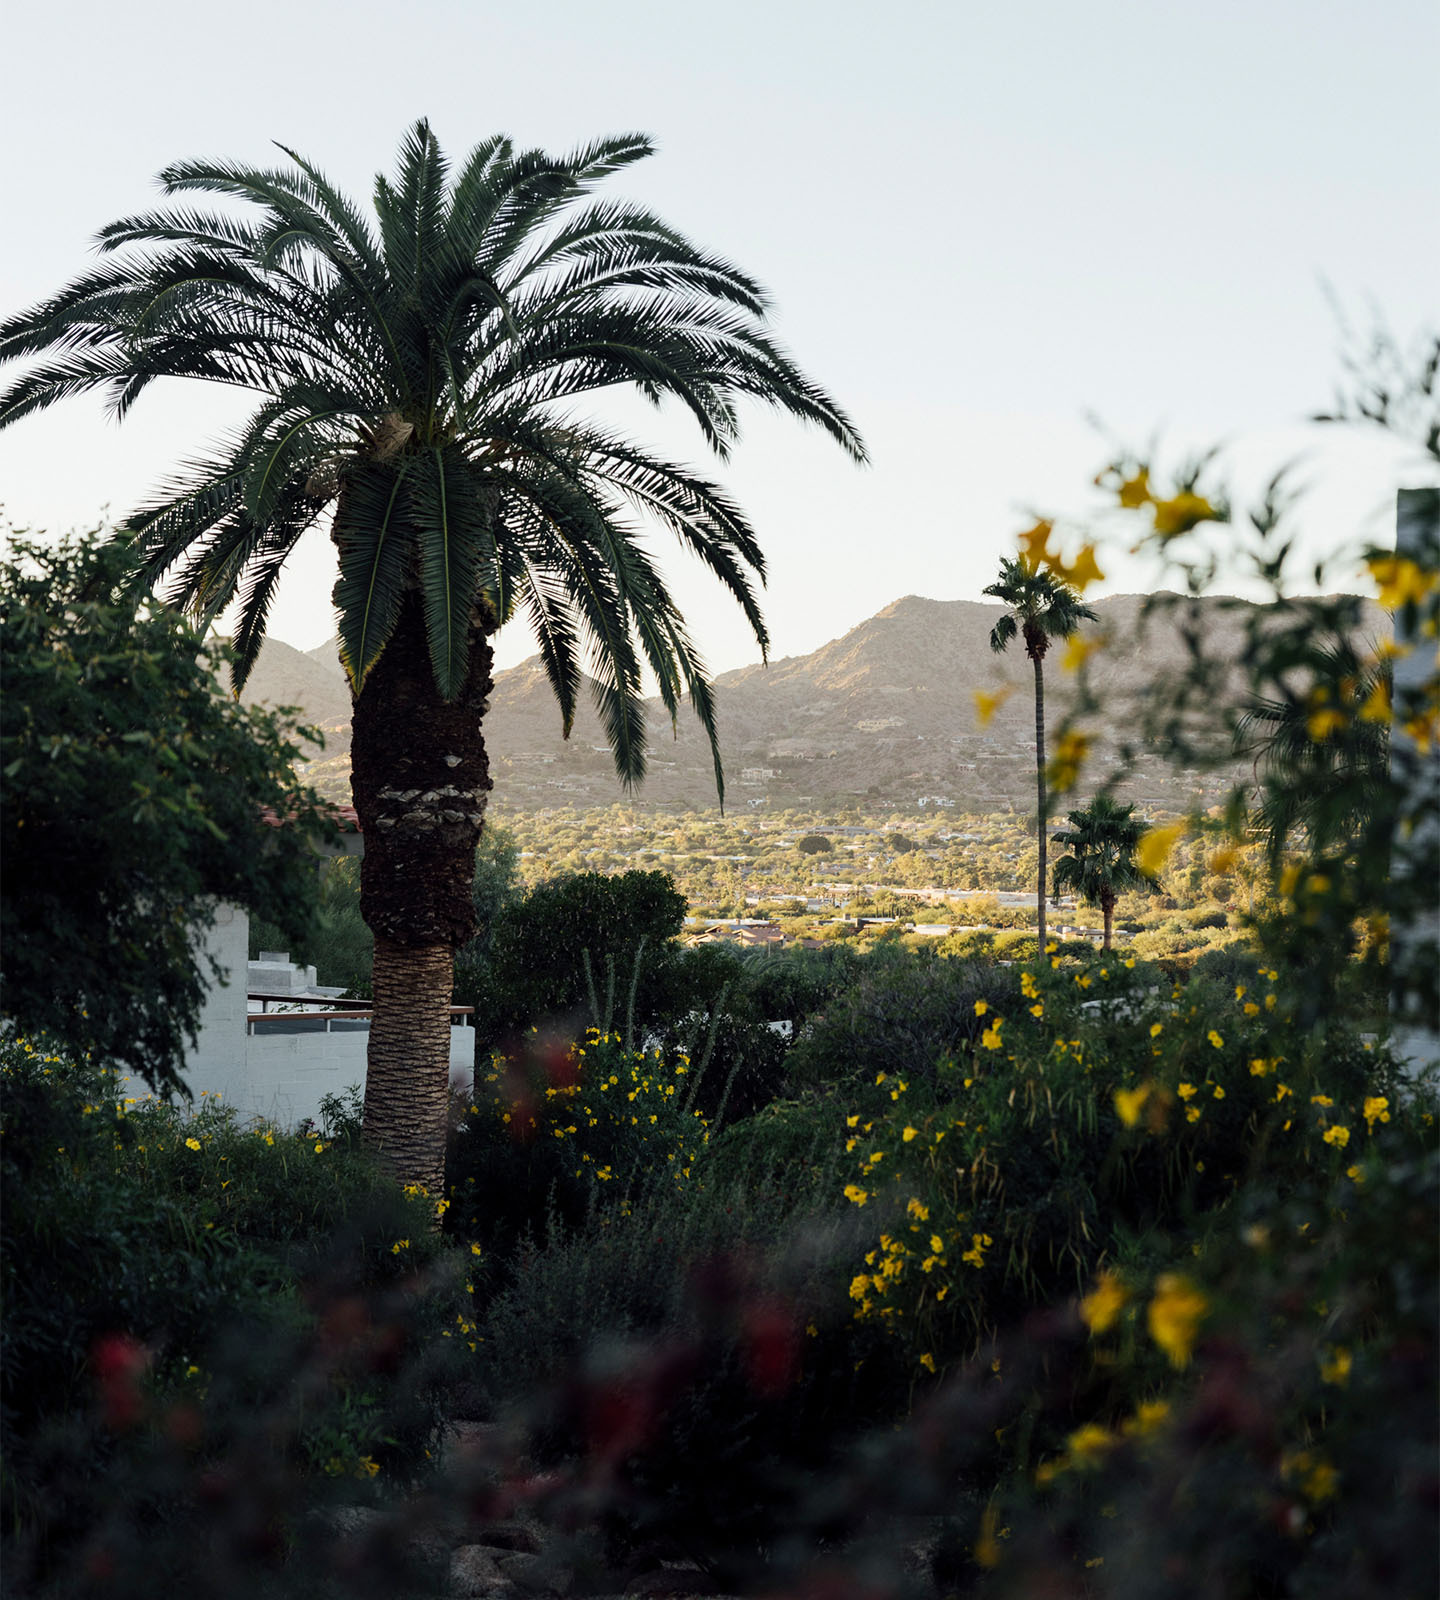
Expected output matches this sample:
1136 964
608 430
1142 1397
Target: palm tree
1321 755
1101 865
418 371
1042 607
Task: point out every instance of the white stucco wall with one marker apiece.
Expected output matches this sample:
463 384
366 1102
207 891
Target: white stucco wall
283 1076
280 1076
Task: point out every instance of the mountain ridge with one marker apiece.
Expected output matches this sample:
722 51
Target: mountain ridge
885 713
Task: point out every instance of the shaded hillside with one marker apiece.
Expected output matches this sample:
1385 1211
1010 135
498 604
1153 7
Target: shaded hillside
885 713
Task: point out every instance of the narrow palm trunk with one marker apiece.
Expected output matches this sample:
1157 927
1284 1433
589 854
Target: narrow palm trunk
1107 907
1038 658
420 777
407 1079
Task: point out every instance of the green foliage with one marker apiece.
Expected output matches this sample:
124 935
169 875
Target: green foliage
556 1123
1100 865
1093 1109
135 795
814 844
541 944
904 1014
191 1301
1291 1451
696 1345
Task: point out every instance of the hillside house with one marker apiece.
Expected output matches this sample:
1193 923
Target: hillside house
271 1042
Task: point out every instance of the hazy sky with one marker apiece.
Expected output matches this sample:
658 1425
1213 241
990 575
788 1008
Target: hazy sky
979 222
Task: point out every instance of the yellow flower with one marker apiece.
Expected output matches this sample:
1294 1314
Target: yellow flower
1186 1091
937 1244
986 1549
1259 1067
1321 1100
1028 986
1129 1102
1400 580
1134 492
192 1144
928 1361
986 705
1082 571
981 1007
1356 1174
1064 768
1090 1444
1215 1039
859 1286
1034 546
1185 511
991 1036
1321 724
1218 1092
855 1195
1175 1315
1377 707
1156 1029
908 1135
851 1121
1101 1308
1335 1367
1149 1415
1192 1113
1155 847
918 1210
980 1242
1338 1136
1038 1009
1376 1109
1079 648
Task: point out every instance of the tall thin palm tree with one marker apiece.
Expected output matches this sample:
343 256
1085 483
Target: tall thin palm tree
418 372
1042 607
1101 864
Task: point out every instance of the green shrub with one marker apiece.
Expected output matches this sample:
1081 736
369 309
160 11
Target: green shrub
552 1127
1101 1107
903 1014
183 1298
692 1355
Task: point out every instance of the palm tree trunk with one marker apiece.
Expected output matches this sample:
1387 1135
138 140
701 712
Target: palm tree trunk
420 777
1107 908
407 1078
1040 798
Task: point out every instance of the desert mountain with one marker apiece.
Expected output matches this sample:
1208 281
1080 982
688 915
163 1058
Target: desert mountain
886 714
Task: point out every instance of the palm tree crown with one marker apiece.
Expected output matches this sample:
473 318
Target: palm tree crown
417 371
1101 864
1042 607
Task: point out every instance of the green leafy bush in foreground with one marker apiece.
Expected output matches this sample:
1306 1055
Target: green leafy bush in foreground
190 1301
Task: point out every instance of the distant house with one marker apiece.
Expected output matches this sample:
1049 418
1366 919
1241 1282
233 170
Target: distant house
939 801
271 1043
